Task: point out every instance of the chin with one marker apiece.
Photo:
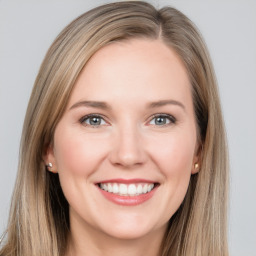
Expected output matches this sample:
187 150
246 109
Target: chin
130 229
128 234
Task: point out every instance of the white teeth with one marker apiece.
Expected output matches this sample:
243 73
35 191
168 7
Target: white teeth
139 189
115 189
110 187
123 189
150 187
127 189
132 189
145 189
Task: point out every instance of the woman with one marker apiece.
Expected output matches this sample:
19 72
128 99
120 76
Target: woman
123 149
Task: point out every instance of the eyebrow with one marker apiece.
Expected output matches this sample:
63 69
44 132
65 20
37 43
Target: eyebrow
92 104
162 103
105 106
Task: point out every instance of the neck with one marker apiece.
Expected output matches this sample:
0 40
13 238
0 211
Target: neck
88 241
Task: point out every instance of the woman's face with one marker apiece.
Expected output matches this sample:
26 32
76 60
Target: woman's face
126 145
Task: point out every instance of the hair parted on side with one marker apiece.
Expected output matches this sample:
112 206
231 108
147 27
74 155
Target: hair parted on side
39 216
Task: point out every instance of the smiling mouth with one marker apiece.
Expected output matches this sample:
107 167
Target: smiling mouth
133 189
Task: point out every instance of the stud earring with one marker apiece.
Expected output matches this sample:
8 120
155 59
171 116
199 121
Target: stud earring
49 165
196 166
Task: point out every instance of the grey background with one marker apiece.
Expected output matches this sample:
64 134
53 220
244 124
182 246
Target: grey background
27 29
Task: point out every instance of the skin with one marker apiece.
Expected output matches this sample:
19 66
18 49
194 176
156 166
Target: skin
127 143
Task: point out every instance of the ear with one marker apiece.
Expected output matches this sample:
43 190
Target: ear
49 159
196 165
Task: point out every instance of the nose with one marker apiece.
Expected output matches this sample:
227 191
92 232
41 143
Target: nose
128 148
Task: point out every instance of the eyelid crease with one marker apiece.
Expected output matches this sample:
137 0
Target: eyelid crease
164 115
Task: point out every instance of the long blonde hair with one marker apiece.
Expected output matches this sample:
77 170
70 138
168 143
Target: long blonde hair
39 216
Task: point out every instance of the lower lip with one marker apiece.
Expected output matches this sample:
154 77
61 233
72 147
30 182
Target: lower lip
128 200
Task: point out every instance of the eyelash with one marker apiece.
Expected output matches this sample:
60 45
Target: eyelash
87 117
171 119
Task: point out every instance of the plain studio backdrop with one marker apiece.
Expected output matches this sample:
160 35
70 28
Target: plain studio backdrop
27 28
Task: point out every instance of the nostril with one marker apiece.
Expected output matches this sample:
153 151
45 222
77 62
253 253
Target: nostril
127 160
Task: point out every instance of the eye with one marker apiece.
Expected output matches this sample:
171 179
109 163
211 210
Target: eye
162 120
93 120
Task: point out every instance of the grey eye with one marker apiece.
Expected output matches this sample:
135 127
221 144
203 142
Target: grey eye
93 120
160 120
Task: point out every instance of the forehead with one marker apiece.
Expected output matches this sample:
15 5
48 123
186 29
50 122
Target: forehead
138 68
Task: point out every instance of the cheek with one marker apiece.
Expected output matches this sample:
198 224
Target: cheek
174 154
175 161
77 153
77 157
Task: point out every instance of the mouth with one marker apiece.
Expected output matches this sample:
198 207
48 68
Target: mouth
132 189
127 192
